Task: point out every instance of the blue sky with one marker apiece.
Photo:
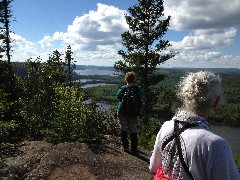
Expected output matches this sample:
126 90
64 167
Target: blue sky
204 32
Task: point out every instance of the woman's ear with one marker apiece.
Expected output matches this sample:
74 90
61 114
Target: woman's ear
216 102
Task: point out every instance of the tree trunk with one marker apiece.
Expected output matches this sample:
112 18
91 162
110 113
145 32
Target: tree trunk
7 39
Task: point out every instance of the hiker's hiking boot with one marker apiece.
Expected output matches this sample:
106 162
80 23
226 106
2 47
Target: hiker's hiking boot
124 139
134 152
127 150
134 142
125 143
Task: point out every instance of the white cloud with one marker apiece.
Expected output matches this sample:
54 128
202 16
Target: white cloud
206 39
95 37
22 48
209 35
204 60
58 35
104 54
202 48
46 42
101 27
203 14
20 44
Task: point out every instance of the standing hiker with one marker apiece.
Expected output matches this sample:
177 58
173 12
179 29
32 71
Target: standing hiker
185 148
129 106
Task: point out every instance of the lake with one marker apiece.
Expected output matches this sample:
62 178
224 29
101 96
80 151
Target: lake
96 84
230 134
87 72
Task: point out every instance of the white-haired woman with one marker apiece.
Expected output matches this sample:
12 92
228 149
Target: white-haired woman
185 148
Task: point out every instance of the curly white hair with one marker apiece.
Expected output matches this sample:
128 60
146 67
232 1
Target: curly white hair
199 90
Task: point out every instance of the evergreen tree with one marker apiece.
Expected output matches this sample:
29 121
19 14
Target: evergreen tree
9 88
145 47
54 68
5 15
1 47
70 64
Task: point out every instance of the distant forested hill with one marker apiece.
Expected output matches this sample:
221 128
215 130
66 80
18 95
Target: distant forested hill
81 67
19 69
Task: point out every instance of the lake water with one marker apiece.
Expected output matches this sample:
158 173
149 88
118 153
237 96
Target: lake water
97 72
96 84
85 80
230 134
87 72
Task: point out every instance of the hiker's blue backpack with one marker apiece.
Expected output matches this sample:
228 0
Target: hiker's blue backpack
131 102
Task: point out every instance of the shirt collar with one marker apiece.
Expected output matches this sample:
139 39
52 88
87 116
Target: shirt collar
187 117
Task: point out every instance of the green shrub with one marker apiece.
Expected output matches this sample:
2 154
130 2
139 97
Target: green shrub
6 130
7 126
74 119
237 161
147 134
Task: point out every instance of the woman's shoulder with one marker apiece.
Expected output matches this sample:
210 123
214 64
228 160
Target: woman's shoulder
140 90
168 124
123 87
167 128
217 141
211 140
211 137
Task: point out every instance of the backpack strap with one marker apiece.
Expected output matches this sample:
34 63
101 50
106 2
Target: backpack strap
179 148
176 135
134 87
127 87
124 89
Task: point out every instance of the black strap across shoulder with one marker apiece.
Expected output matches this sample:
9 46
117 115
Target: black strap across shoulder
126 87
175 136
177 132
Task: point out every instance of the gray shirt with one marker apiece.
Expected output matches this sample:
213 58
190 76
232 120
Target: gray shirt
207 155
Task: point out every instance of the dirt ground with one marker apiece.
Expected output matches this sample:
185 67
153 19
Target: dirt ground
99 160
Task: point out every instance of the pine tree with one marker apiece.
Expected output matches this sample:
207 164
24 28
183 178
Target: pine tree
54 67
145 47
5 15
8 81
70 64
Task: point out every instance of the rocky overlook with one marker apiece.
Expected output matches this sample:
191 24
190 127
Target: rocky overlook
96 160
